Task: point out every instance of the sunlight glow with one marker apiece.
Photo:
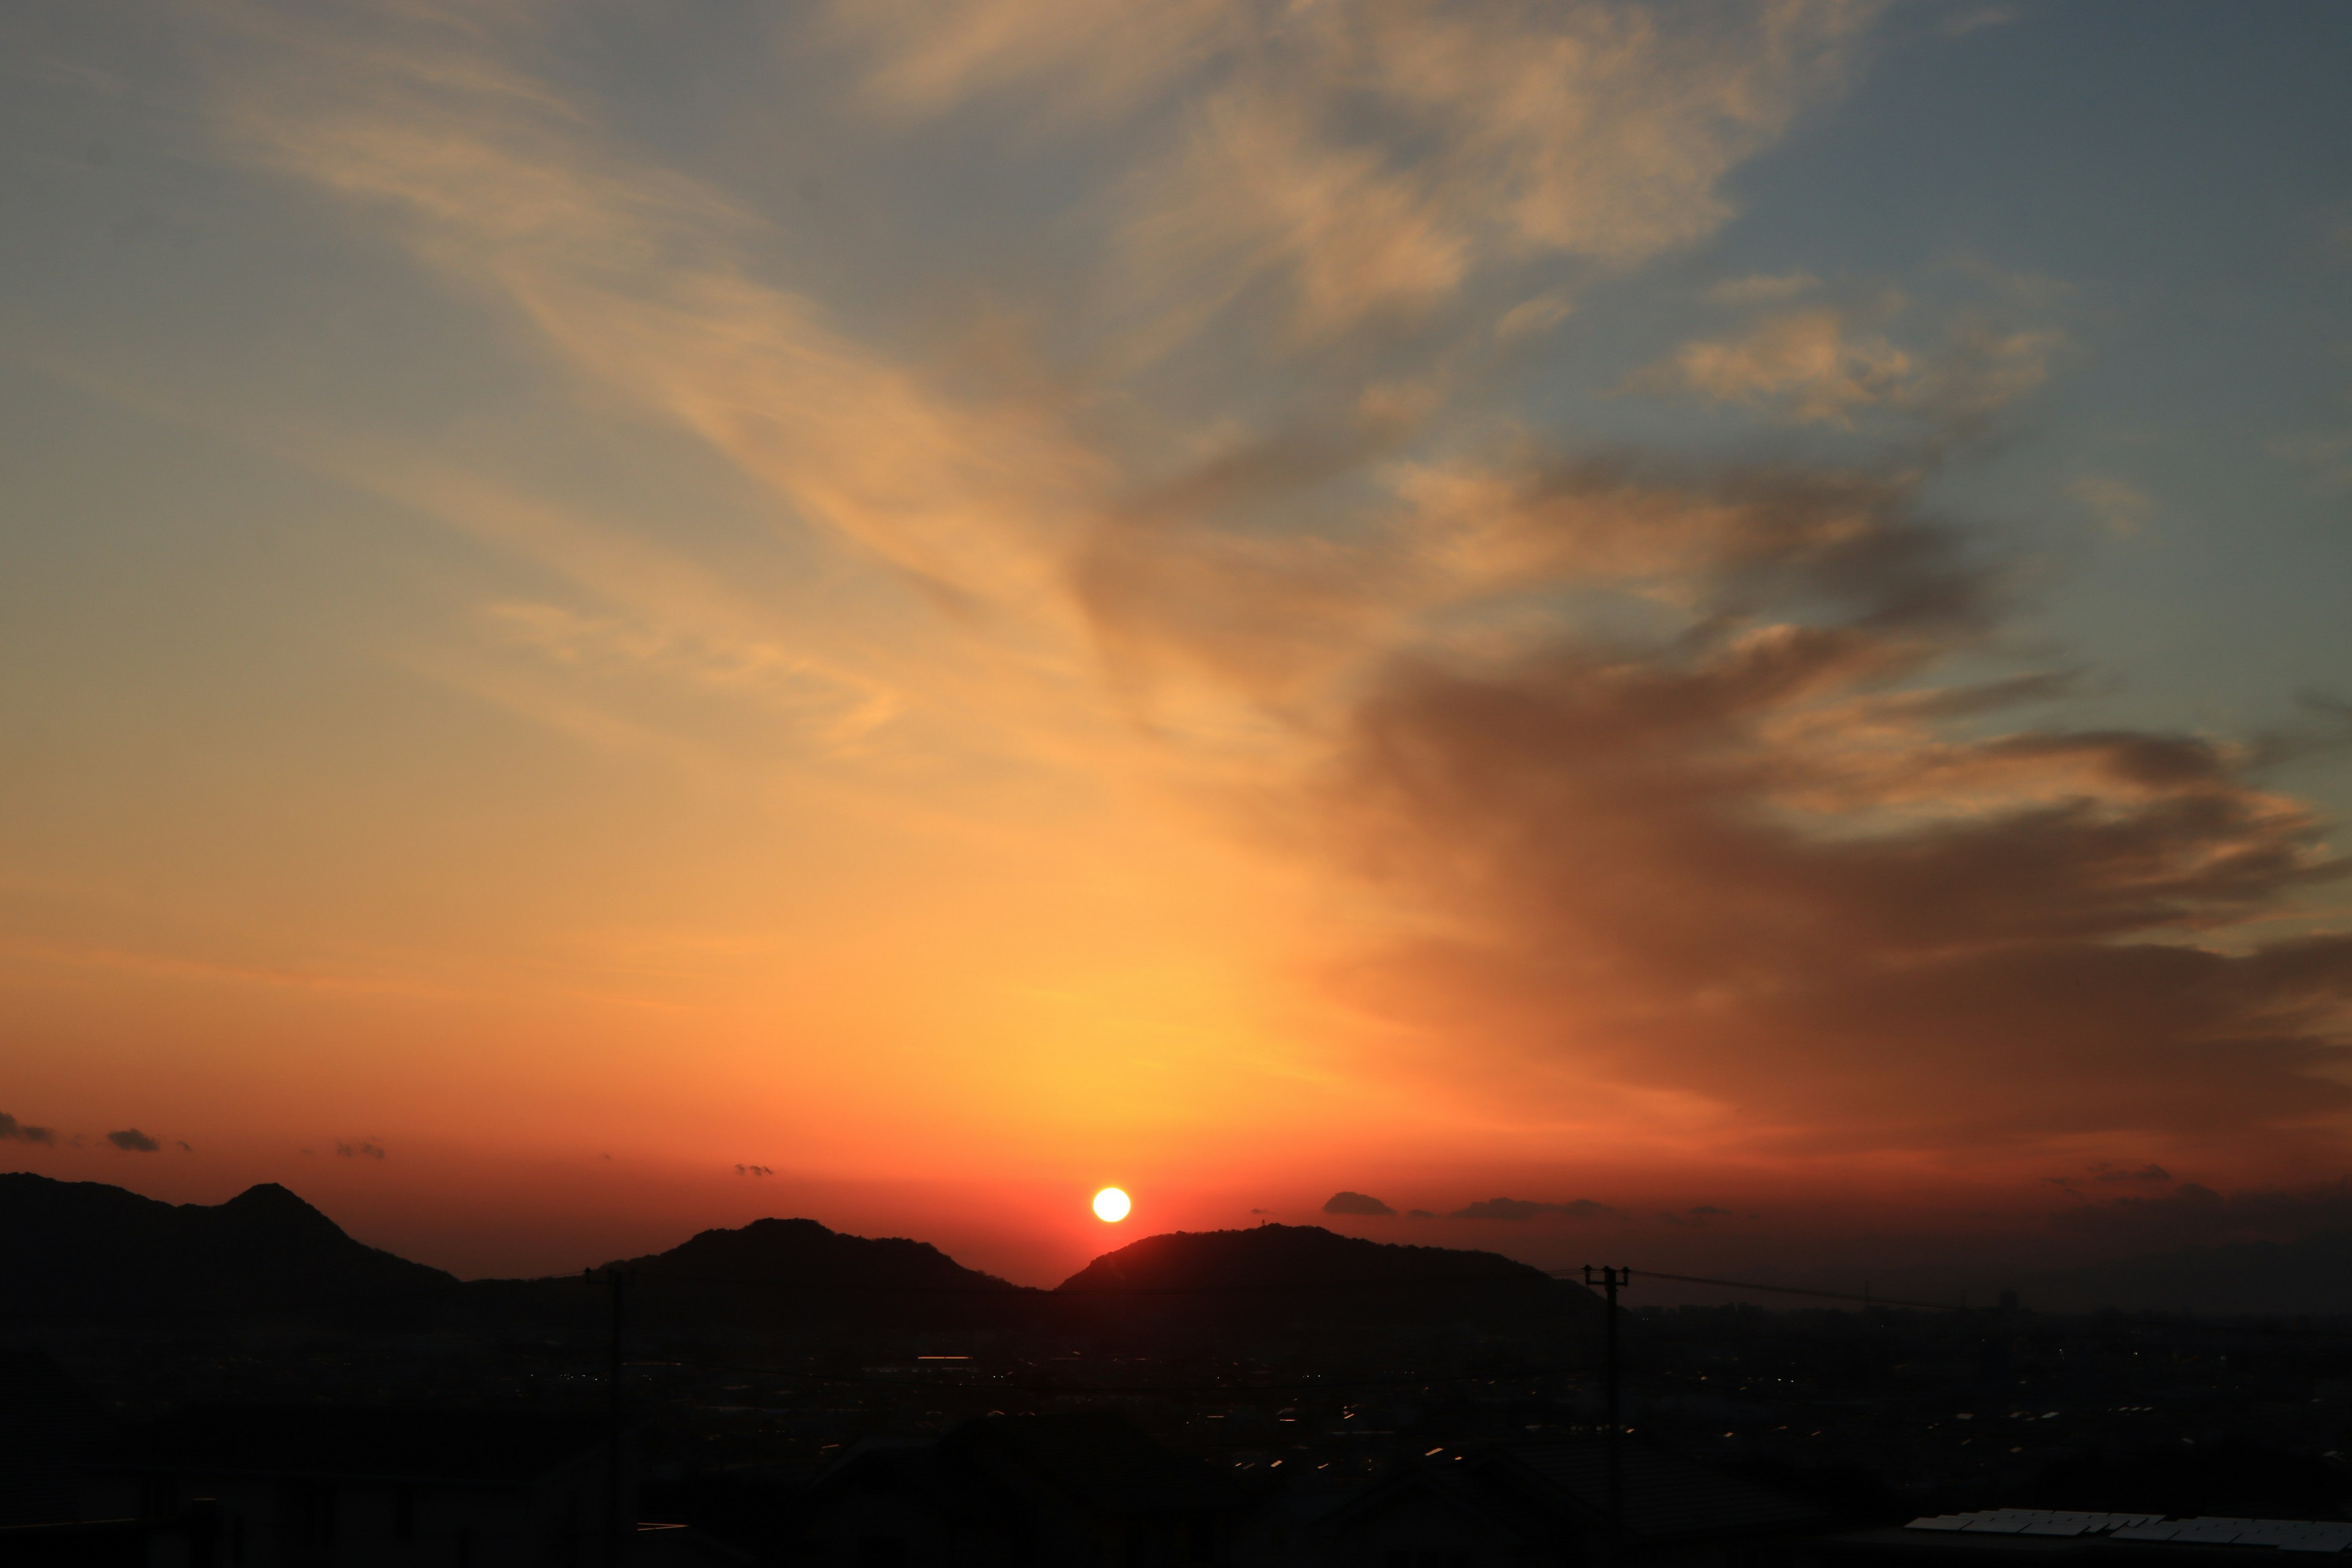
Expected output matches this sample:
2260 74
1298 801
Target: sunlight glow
1110 1206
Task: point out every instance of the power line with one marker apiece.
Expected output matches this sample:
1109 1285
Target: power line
1873 1301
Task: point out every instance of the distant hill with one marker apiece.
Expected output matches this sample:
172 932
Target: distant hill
85 1249
802 1254
781 1272
1307 1272
2312 1275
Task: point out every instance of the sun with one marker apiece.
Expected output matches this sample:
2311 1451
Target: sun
1110 1206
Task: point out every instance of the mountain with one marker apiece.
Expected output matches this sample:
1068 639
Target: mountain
1307 1272
778 1272
84 1249
800 1255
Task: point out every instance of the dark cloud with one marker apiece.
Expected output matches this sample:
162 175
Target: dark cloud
1704 1209
1527 1209
131 1139
1419 1214
1356 1204
1764 860
12 1129
2193 1214
364 1149
753 1171
2107 1173
184 1146
1261 1211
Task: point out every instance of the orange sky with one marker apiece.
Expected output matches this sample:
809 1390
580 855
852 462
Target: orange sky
958 603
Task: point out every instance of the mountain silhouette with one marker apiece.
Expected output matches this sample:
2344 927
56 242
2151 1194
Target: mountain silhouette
779 1272
800 1254
85 1249
1307 1272
88 1250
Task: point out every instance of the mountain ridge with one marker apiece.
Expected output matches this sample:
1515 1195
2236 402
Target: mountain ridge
93 1249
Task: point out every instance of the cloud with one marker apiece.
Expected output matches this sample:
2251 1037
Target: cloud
2327 453
1534 316
1420 1214
754 1171
1960 23
643 280
2193 1214
1522 1209
1767 860
1368 161
1762 289
365 1148
2108 1172
12 1129
1356 1204
133 1141
1828 363
1705 788
2121 507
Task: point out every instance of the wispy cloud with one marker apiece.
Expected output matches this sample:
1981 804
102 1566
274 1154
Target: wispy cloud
2121 507
1669 775
12 1129
1828 363
1520 1210
1368 161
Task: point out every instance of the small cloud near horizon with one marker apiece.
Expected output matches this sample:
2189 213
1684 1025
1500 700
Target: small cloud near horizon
12 1129
2194 1214
1358 1204
132 1140
1419 1214
1522 1209
754 1171
1960 24
2150 1174
365 1148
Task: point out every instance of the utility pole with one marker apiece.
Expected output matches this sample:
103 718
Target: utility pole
1612 1280
614 1525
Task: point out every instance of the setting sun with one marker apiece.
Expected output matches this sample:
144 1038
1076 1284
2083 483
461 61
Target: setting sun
1110 1206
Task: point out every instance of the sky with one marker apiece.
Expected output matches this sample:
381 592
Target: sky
1689 634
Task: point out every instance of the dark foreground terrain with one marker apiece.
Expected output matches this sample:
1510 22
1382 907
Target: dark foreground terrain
1299 1366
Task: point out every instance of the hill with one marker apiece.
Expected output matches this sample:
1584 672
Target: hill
85 1249
1304 1272
800 1255
779 1272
